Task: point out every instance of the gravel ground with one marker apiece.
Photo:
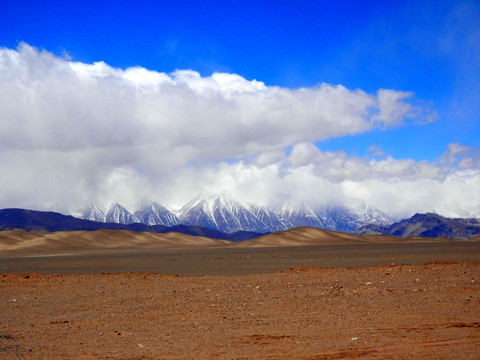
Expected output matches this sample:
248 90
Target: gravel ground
429 311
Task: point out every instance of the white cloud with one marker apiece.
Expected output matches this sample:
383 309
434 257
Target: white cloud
399 187
69 130
391 108
50 103
375 150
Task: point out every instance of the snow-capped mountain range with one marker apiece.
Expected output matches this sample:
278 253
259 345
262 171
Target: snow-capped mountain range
153 213
226 214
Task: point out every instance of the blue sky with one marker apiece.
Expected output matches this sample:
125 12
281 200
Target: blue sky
429 48
421 46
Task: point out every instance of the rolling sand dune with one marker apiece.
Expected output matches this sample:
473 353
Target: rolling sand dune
94 252
305 236
21 243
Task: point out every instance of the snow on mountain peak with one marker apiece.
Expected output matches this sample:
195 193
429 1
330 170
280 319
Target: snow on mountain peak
152 213
223 212
118 214
94 211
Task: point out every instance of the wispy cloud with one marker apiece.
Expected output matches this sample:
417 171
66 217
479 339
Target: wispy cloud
400 187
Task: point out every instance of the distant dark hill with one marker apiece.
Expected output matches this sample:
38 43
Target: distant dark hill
44 221
427 225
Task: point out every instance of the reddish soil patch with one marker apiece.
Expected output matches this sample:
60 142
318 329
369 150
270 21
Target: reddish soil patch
429 311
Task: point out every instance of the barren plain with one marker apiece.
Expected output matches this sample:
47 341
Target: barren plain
304 294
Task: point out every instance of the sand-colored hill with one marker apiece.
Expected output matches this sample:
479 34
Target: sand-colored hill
306 236
57 242
23 243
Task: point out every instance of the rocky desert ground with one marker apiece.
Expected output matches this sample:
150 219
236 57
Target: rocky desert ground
310 299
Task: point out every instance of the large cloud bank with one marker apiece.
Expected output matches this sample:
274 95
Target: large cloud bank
69 130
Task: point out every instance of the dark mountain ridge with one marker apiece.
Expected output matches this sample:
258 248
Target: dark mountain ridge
419 225
46 221
427 225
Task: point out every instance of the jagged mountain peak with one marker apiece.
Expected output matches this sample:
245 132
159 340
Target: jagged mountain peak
116 206
153 213
210 202
94 210
118 214
149 204
226 199
190 204
224 212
